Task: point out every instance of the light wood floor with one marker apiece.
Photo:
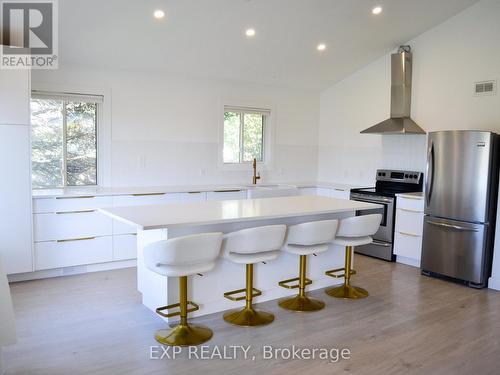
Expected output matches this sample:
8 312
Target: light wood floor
96 324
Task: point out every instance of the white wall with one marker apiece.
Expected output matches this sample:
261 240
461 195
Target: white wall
164 129
447 60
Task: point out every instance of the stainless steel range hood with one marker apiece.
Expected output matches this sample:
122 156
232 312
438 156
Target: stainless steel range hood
400 121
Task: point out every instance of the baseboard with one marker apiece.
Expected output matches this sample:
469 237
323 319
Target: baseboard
68 271
408 261
494 283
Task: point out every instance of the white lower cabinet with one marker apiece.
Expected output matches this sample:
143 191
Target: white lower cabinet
308 191
58 204
225 195
67 253
340 193
409 230
124 247
327 192
143 199
192 196
71 225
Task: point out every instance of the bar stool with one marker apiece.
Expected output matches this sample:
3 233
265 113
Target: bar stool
353 231
249 246
181 257
303 240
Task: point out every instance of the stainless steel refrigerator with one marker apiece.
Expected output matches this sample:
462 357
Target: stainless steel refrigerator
460 205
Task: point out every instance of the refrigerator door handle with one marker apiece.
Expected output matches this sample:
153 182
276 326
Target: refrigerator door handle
429 184
450 226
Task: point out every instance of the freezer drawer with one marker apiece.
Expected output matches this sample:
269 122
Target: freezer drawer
455 249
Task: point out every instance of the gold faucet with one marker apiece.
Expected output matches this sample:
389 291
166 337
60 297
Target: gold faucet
256 176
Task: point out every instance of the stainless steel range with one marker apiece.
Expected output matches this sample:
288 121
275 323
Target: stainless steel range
389 183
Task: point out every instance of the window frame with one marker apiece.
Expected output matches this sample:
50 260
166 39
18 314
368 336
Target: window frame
268 112
66 97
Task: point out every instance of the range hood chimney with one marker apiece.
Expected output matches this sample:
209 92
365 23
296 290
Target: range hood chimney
400 121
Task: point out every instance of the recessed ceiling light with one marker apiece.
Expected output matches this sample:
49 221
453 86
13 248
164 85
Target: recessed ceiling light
159 14
377 10
250 32
321 47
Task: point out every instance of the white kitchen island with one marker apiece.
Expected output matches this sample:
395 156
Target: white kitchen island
161 222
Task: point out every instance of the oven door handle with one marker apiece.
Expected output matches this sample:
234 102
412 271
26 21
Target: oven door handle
361 198
379 243
372 200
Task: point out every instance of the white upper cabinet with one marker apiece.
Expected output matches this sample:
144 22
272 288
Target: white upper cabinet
14 97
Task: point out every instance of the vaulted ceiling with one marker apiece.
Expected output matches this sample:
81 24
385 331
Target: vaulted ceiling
206 38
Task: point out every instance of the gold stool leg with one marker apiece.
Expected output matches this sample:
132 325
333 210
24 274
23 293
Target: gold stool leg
183 334
248 316
347 290
301 302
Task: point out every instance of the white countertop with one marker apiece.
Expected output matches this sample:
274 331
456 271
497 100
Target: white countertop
217 212
106 191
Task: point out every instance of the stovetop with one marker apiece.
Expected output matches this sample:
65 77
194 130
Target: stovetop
391 182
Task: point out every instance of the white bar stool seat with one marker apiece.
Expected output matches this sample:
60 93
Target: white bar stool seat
182 257
353 231
249 246
303 240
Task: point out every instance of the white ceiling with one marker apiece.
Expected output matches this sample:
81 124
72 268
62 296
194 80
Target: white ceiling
205 38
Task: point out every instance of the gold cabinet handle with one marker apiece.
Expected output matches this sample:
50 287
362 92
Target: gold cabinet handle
147 194
77 239
414 198
78 197
408 210
74 212
408 234
194 192
227 191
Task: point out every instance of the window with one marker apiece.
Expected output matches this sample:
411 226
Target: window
64 139
244 134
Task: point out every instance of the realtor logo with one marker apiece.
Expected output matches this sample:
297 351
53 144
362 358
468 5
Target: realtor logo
28 34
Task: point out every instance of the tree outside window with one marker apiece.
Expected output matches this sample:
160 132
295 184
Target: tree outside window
64 143
243 136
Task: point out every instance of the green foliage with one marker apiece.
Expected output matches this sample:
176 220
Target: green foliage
247 130
47 118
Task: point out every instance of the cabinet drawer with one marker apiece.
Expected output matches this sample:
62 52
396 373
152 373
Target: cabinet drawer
193 196
55 254
324 192
408 246
414 204
340 194
119 227
124 247
49 227
409 221
224 195
308 191
143 199
61 204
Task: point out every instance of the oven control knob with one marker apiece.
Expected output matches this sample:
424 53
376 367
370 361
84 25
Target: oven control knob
415 176
406 175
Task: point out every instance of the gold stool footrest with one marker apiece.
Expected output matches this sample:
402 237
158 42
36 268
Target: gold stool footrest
285 283
335 273
160 310
230 295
